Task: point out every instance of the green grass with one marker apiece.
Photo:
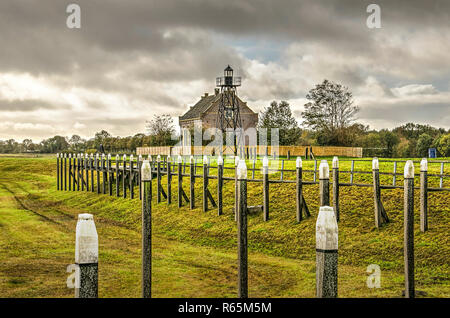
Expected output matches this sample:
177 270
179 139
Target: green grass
194 253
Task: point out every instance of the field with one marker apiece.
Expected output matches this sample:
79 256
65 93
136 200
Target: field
194 253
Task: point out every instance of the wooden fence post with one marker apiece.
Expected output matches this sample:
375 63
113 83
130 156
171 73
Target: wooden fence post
376 191
117 176
242 230
79 172
139 167
131 179
158 179
299 189
103 173
146 180
180 181
65 172
236 162
324 183
169 180
70 171
57 171
219 185
86 164
97 169
408 247
192 179
424 195
205 183
110 176
265 172
315 170
91 166
336 187
82 170
86 257
326 253
124 175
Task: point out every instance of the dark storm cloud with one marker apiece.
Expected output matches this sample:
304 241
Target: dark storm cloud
27 105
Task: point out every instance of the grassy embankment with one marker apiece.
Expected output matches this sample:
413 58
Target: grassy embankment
195 252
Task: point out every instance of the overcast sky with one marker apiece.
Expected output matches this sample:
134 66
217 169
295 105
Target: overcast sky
134 59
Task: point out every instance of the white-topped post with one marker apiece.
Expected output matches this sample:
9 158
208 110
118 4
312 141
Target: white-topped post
376 191
324 182
299 189
86 257
424 195
336 187
236 162
408 217
146 181
192 180
265 175
326 253
242 230
219 184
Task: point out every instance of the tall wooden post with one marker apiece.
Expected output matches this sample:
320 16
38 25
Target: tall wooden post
299 189
180 181
324 183
117 176
408 247
265 172
86 257
78 171
110 176
326 253
158 179
236 162
82 170
169 180
91 165
219 185
336 187
205 183
242 230
146 180
131 181
192 179
424 195
86 167
376 191
70 171
139 166
57 172
124 175
103 173
65 172
97 169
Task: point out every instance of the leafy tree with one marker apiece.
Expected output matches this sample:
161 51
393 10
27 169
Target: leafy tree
100 137
279 115
423 143
161 129
331 109
443 145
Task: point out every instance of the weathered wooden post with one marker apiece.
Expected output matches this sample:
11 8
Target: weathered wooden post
146 180
236 162
219 185
326 253
158 179
131 181
192 179
103 173
408 215
91 166
169 180
139 166
205 183
180 181
57 171
336 187
82 170
110 176
299 189
376 191
85 159
97 168
86 257
289 155
424 195
65 172
315 171
242 230
324 183
70 171
265 172
117 176
124 175
74 177
79 172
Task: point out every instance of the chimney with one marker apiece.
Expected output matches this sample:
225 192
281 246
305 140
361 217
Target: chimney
206 94
216 91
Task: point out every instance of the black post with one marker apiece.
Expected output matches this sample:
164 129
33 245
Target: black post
408 247
376 192
324 183
158 179
131 177
180 182
242 231
146 181
124 176
266 188
336 187
192 177
169 181
205 184
219 185
91 165
424 195
70 171
299 189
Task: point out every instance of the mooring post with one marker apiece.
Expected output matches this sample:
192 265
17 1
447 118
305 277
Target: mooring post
131 179
169 180
336 187
180 181
324 183
86 257
110 176
376 191
139 167
326 253
192 177
265 172
117 176
236 162
408 215
70 171
91 165
158 179
205 183
57 171
242 230
146 180
424 195
299 189
219 185
124 175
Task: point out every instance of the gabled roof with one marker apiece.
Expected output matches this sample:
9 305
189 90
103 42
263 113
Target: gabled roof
198 109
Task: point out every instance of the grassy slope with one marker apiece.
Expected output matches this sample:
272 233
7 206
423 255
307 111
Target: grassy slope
194 252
